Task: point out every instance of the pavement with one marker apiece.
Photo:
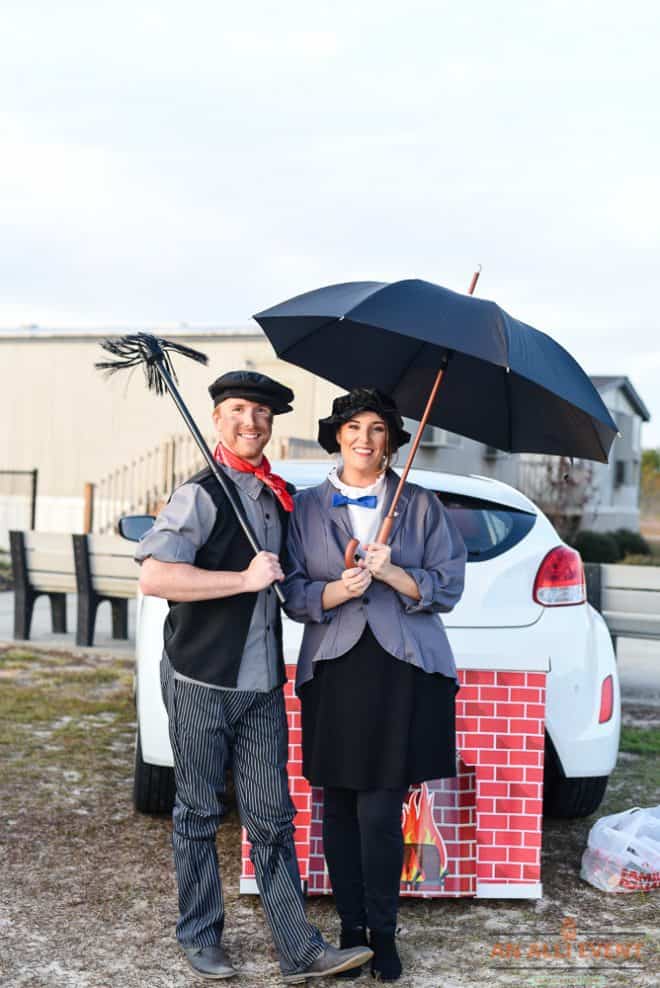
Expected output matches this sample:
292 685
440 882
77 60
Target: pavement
638 661
41 632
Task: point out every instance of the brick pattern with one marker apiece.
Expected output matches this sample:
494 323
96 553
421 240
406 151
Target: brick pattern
454 816
489 816
500 731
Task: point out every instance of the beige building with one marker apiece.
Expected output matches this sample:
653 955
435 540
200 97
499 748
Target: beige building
62 417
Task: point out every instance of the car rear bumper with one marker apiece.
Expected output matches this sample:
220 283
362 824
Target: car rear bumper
579 647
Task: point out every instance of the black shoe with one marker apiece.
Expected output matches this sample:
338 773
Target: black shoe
386 963
330 961
210 962
356 937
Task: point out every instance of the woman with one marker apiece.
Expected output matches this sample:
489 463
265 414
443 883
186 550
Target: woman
376 676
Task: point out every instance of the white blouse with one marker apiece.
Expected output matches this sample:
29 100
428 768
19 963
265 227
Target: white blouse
365 522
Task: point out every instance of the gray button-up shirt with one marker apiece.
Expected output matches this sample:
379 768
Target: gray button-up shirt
183 527
425 542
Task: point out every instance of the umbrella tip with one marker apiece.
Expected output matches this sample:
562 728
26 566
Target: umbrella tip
475 279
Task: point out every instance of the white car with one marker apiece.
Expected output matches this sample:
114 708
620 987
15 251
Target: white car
524 595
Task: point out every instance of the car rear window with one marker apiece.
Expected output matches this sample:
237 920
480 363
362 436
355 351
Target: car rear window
488 529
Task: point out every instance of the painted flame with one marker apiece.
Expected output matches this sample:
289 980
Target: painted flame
424 852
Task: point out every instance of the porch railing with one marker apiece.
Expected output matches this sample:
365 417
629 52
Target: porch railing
144 484
141 486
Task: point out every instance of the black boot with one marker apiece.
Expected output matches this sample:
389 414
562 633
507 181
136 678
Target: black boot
385 964
356 937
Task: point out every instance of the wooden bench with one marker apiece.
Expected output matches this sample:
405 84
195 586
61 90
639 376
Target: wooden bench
628 597
105 570
95 567
42 563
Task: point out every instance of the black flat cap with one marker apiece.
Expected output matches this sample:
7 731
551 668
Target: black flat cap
362 400
253 387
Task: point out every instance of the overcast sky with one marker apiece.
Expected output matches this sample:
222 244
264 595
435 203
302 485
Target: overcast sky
167 162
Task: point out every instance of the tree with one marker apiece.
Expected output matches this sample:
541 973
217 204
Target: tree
649 500
651 460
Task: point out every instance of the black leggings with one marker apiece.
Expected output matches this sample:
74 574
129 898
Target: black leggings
364 850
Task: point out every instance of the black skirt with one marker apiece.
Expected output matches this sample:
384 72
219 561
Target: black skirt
371 721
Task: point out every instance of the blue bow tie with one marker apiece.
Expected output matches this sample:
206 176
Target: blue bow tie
366 501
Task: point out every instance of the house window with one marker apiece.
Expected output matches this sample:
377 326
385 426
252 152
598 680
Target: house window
433 437
619 473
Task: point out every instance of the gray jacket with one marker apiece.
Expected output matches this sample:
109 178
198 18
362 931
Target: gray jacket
424 541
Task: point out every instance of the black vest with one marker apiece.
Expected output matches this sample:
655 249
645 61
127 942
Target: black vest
205 639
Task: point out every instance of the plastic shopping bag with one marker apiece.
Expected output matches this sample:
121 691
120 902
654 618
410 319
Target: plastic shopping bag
623 852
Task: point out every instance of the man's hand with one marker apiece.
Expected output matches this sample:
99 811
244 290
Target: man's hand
378 561
263 570
356 580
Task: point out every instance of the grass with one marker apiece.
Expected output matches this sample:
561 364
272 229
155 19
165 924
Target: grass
25 705
100 876
85 677
60 712
17 658
640 741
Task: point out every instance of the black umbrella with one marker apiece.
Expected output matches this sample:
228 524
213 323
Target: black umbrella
503 383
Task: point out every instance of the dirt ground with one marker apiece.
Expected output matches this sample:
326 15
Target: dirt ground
87 895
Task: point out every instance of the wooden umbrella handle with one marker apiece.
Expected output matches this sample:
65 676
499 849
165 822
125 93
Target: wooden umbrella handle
388 520
383 536
350 558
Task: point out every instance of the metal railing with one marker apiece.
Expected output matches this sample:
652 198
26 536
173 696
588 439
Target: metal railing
144 484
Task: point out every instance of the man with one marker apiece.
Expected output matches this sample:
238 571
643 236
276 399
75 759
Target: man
222 674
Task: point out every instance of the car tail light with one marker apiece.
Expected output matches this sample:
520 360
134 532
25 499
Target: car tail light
606 699
560 579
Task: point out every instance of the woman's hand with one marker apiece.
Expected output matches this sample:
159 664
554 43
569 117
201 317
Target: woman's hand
356 580
353 583
379 561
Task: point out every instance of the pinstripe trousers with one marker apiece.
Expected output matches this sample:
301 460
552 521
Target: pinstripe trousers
207 727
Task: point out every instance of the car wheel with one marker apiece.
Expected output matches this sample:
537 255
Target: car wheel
153 785
567 798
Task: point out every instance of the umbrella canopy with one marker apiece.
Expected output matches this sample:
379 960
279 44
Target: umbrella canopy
506 384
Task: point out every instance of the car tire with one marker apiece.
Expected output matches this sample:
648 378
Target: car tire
569 798
153 785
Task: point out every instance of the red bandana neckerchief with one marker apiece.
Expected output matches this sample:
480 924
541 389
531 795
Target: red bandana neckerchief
262 473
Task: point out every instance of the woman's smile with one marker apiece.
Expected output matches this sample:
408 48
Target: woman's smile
362 442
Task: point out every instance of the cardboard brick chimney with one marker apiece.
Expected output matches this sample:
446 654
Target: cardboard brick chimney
478 834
